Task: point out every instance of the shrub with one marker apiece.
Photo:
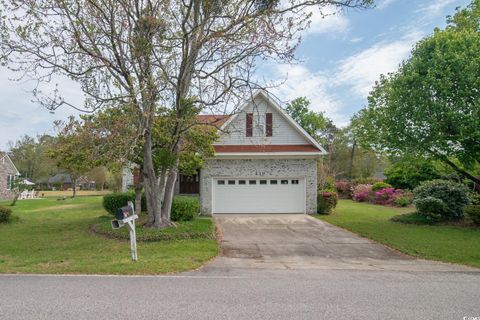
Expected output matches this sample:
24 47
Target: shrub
113 201
474 198
344 189
5 214
185 208
371 180
431 208
410 173
453 195
380 185
362 193
402 198
473 211
384 196
402 201
326 201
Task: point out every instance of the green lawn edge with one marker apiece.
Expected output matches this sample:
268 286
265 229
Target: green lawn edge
444 243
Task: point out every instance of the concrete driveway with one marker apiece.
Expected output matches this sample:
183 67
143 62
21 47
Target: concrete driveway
288 241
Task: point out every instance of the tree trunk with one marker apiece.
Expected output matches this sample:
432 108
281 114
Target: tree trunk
169 192
74 187
153 188
461 171
352 156
15 198
138 181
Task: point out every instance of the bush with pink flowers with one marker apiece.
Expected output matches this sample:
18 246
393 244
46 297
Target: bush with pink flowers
344 189
326 201
363 193
385 196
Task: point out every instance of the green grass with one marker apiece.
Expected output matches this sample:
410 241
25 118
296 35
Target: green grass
436 242
50 236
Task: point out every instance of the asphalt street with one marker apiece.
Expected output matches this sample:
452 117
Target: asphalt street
245 294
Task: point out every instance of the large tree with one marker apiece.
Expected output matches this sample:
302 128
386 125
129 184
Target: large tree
153 55
29 155
430 107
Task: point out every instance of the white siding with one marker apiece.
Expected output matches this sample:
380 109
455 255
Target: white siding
283 131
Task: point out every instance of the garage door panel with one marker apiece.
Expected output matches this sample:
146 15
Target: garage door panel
258 198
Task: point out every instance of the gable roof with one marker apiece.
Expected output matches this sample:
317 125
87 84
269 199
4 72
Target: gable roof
276 107
216 120
5 156
60 178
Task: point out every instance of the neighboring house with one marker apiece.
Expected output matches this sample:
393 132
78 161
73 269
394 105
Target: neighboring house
264 163
60 181
8 173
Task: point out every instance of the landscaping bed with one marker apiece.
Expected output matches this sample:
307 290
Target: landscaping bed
437 242
199 228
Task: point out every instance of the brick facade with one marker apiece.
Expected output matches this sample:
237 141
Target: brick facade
6 169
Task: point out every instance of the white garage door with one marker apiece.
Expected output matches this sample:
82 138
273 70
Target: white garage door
243 195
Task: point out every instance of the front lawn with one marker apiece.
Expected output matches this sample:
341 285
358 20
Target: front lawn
436 242
50 236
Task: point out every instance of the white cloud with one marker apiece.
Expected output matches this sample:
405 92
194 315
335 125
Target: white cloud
300 81
328 20
435 8
22 116
384 3
361 70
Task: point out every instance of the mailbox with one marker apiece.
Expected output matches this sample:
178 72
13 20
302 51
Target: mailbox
126 216
124 212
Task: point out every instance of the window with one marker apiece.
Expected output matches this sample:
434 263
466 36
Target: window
294 181
10 182
273 181
242 182
263 181
221 182
252 181
284 181
249 125
268 125
231 181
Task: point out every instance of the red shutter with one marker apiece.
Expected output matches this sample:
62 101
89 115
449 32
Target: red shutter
269 124
249 125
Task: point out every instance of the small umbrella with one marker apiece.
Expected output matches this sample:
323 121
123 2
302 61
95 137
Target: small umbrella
28 182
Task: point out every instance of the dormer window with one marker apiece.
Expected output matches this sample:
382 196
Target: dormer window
268 125
249 125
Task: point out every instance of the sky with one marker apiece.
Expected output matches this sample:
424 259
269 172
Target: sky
339 60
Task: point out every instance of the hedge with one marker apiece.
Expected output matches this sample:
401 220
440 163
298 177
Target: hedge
5 214
184 208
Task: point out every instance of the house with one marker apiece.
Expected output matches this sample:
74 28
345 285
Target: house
8 173
60 181
264 163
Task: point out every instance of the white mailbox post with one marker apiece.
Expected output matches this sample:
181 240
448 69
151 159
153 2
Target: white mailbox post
126 216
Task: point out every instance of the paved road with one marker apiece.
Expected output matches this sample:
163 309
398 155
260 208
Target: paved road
246 294
284 269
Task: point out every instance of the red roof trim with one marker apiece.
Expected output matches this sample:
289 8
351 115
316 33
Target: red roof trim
216 120
266 148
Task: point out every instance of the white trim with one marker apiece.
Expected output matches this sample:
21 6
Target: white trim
279 109
6 156
270 155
